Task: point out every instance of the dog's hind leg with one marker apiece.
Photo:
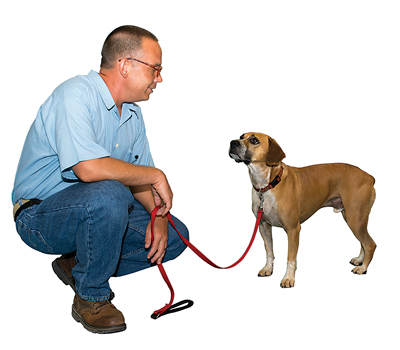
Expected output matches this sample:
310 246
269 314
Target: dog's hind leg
266 234
356 212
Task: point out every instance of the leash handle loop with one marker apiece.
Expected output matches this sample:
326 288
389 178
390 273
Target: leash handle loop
173 308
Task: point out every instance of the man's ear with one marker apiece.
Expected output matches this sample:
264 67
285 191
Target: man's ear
124 67
275 153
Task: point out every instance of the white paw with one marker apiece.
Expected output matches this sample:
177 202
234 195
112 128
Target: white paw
356 261
287 282
267 270
360 270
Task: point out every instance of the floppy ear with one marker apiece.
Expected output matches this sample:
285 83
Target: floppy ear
275 153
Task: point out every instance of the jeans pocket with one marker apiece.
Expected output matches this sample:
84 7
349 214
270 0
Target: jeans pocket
133 243
33 238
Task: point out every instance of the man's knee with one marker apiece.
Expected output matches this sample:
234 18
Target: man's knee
111 193
181 227
175 244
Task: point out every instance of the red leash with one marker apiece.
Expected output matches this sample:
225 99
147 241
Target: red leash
169 308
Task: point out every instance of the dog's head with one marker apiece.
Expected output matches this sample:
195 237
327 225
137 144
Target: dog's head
256 148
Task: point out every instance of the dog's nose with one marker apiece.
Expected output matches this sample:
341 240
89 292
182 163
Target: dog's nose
235 144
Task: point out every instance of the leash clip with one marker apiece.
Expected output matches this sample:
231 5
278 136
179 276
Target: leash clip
261 196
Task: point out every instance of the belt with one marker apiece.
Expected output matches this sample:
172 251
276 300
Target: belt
26 203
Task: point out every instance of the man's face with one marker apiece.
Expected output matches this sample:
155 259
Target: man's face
143 79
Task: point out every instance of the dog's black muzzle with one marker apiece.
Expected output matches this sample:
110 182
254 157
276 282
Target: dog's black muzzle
235 152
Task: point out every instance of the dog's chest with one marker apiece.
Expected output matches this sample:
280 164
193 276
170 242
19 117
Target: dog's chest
270 207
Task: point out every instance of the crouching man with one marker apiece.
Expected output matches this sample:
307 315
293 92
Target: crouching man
86 181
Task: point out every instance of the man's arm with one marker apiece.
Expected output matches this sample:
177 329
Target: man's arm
144 195
129 175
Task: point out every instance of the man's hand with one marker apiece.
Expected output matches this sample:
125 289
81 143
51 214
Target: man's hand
163 195
140 179
157 251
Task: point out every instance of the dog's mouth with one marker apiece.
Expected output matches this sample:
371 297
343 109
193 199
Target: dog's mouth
239 152
237 159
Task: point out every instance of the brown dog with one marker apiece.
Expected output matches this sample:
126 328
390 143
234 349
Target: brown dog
289 196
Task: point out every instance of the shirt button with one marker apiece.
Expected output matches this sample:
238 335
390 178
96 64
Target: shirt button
117 145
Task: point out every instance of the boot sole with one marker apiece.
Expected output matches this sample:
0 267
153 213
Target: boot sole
97 330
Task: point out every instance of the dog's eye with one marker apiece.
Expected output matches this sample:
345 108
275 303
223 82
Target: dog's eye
254 141
241 137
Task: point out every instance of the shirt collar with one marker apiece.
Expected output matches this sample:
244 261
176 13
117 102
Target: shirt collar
108 99
103 90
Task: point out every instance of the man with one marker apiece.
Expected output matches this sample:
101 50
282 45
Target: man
86 147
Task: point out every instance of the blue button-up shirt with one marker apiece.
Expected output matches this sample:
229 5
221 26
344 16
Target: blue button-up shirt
78 122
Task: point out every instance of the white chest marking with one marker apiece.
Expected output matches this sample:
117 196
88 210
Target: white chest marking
270 208
257 175
260 177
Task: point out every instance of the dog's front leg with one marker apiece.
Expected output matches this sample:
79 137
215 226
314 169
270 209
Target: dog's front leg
266 234
293 246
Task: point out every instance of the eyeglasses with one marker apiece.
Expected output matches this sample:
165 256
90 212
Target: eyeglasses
156 68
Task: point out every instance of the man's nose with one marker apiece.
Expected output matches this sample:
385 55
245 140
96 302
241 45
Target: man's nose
158 78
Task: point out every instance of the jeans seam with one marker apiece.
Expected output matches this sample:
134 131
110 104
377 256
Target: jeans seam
132 253
26 211
21 224
88 246
137 229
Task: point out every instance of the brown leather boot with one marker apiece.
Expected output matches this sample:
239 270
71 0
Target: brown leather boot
98 316
62 267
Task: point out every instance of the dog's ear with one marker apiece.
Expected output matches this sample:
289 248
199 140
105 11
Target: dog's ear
275 153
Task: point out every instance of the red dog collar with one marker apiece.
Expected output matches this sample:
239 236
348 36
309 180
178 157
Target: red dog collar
273 183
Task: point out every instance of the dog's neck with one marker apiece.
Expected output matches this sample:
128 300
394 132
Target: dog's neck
261 174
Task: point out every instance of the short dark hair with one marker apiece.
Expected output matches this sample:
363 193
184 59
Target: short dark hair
123 41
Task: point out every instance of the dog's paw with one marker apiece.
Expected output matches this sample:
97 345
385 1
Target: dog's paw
359 270
287 282
267 270
356 261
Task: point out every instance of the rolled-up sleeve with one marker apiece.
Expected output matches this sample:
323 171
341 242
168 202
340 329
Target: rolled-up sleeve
74 135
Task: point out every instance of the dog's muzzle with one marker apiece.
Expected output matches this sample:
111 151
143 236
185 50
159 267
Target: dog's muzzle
237 152
233 151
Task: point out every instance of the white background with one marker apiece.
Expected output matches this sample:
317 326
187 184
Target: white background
321 77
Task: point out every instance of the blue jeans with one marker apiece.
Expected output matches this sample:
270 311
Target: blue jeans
106 227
